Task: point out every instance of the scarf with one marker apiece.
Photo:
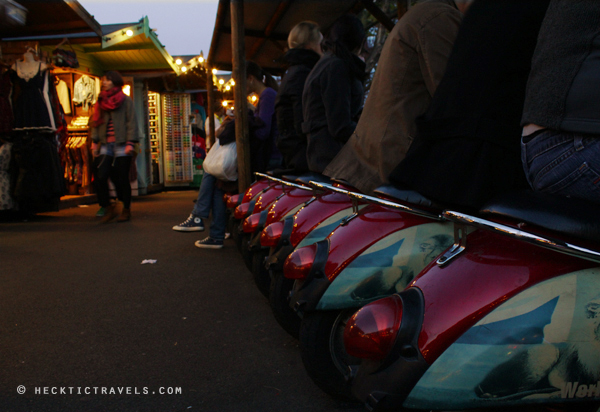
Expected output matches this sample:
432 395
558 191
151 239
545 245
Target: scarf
108 100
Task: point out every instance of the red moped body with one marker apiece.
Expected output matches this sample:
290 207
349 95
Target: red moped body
508 318
374 232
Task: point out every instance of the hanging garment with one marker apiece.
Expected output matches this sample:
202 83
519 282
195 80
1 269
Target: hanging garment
6 112
63 96
39 180
85 91
32 109
6 200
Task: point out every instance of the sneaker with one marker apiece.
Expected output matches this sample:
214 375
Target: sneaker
209 243
101 212
191 224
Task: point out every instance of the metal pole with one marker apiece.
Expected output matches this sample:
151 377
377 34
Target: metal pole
238 48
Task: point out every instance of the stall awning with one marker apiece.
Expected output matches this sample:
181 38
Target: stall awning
267 25
48 17
132 47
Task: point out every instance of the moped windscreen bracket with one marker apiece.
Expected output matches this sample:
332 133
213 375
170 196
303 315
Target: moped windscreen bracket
459 246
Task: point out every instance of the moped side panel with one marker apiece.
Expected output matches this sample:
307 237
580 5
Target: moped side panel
266 198
492 269
325 227
255 189
388 265
292 201
323 211
540 346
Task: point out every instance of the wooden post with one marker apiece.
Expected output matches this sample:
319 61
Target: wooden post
242 138
210 93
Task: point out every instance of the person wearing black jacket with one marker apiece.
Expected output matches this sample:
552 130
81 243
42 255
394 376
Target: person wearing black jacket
305 50
467 147
561 115
333 93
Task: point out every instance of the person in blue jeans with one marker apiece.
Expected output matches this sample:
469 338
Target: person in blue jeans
210 197
263 132
560 146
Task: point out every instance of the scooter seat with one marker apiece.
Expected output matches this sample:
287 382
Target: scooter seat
568 216
280 172
316 177
406 196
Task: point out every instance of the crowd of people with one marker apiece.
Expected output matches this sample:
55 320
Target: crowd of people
470 99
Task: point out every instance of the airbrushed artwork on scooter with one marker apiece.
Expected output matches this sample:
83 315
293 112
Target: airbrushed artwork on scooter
388 266
543 343
326 227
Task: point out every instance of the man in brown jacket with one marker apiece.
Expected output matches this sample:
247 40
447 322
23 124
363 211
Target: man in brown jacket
412 63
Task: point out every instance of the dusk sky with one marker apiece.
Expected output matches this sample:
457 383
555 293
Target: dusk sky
184 26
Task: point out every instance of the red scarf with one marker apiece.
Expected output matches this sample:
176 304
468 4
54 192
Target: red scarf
108 100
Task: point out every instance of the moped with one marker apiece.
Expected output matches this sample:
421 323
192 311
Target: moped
508 318
316 219
375 252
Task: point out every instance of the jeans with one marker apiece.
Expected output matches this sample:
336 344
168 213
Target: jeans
211 197
562 163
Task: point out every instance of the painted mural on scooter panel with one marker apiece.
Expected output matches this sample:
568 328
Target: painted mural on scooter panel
388 266
541 344
326 227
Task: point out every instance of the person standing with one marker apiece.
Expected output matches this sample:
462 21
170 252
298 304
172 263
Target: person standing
333 93
305 50
114 135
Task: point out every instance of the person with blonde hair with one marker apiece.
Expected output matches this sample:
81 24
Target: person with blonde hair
304 52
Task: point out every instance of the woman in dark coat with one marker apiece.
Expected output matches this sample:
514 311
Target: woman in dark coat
304 41
333 93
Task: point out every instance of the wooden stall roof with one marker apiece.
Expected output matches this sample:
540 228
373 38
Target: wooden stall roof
131 48
267 25
47 17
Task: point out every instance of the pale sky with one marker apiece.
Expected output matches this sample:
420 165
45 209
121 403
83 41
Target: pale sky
185 27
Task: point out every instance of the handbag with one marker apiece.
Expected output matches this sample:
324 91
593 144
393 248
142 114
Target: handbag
63 57
221 161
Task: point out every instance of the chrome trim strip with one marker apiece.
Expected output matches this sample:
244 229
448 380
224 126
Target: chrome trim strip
552 244
382 202
283 182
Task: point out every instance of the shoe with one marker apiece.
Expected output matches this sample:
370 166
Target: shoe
209 243
125 215
110 213
101 212
191 224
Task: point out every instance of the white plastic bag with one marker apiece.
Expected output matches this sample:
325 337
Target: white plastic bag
221 161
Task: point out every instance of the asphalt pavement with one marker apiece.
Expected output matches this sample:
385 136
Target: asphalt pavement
86 327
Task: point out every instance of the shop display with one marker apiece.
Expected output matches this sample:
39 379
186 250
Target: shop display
177 141
154 133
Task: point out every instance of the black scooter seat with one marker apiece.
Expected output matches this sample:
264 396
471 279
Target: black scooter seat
305 178
406 196
568 216
280 172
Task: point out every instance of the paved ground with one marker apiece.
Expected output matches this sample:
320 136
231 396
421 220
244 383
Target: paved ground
79 311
